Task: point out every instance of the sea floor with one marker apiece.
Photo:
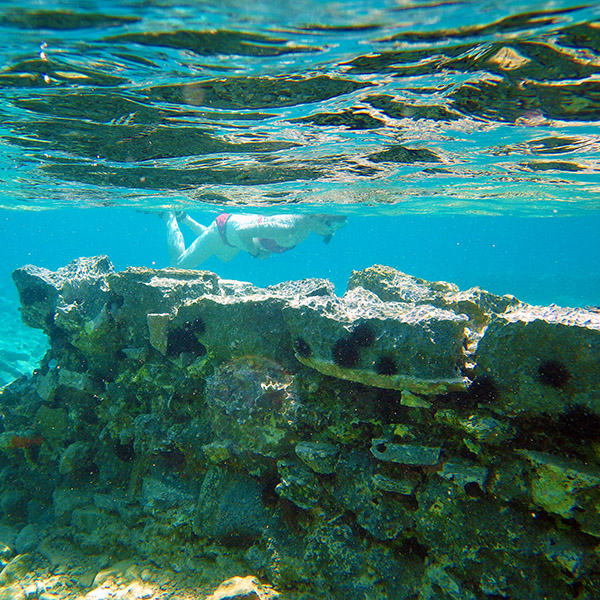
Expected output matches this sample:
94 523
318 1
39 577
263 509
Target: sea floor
59 570
21 348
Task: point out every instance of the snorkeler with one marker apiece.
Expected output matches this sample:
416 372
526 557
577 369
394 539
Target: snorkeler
260 236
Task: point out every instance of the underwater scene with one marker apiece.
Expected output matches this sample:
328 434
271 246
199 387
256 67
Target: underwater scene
299 300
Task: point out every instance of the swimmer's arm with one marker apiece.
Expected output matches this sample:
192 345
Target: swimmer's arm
250 243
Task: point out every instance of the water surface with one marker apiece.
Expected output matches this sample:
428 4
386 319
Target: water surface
382 107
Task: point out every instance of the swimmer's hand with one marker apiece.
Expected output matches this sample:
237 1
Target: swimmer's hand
262 254
257 250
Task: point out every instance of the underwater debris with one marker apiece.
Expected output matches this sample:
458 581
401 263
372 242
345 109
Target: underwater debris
406 454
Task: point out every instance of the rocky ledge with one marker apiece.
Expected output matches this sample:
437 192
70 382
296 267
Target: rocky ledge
407 440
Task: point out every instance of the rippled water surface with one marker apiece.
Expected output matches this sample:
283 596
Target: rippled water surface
396 106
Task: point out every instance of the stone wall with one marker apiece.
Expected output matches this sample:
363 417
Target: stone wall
407 440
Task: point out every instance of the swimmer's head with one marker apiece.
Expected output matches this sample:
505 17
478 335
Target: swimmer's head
327 225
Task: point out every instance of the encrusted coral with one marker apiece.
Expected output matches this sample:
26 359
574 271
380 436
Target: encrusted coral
384 444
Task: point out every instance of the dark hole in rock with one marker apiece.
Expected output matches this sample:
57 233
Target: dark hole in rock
363 335
183 339
116 301
269 482
173 459
32 294
577 588
124 452
381 448
533 432
408 502
237 540
302 348
293 516
580 425
197 326
388 406
412 546
345 353
386 365
473 489
544 519
88 415
575 432
554 374
483 390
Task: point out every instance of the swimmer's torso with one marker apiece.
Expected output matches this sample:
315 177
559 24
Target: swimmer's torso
284 231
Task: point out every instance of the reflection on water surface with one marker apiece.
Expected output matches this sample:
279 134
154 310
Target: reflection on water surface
413 107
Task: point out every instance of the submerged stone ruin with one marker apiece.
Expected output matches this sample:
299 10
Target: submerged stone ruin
407 440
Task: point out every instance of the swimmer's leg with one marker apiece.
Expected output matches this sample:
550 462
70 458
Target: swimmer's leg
202 248
195 227
175 241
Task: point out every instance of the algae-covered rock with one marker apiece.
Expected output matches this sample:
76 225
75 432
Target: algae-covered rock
333 556
385 344
356 490
230 507
255 400
566 487
405 440
391 285
320 457
543 359
41 291
298 485
75 458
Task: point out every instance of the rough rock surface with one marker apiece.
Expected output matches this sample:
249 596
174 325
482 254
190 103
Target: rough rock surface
407 440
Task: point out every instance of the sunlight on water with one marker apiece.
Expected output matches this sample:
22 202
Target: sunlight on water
404 107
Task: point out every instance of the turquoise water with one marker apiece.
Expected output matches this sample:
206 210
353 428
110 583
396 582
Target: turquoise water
460 138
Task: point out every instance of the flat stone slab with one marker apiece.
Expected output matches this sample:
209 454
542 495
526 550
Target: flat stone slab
406 454
392 345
